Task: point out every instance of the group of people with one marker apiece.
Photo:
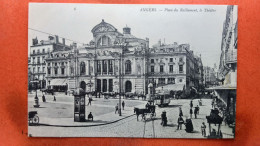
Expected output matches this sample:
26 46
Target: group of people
188 121
44 98
196 110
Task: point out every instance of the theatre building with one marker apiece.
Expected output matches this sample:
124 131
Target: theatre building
110 62
120 62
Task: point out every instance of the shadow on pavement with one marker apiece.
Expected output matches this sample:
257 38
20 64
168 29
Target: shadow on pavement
171 125
172 106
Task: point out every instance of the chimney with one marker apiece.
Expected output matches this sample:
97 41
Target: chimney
34 41
63 41
56 39
126 30
175 43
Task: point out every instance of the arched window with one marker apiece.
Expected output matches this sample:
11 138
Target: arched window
104 41
82 68
128 67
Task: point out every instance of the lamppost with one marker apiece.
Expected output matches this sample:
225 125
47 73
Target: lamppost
120 92
36 99
123 44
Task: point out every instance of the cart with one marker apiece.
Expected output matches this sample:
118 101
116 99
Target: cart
33 119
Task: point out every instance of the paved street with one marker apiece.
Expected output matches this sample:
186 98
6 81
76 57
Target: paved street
61 112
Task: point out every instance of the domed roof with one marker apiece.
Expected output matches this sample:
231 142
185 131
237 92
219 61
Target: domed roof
103 27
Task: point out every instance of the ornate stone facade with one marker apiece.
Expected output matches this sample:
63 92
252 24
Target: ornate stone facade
121 62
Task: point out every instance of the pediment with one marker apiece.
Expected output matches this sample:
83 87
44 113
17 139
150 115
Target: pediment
103 27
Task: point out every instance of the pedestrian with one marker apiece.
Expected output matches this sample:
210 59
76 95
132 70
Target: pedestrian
180 122
203 129
54 98
189 125
89 100
191 112
198 108
200 102
195 112
116 108
123 104
180 112
43 98
90 116
191 104
147 105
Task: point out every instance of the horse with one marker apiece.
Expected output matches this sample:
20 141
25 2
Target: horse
141 112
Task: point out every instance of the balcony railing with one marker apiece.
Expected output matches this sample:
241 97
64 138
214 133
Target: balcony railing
231 56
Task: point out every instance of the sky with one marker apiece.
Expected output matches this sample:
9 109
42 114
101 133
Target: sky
201 29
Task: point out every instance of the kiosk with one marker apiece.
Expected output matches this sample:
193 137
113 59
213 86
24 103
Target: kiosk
79 105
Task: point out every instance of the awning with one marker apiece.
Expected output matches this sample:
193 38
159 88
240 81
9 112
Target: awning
223 87
58 82
171 87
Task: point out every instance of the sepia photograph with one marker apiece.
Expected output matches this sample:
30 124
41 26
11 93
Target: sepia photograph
132 70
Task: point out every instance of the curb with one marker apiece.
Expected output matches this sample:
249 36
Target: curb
85 125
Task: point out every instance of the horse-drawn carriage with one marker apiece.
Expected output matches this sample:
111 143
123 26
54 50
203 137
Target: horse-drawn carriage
33 119
149 110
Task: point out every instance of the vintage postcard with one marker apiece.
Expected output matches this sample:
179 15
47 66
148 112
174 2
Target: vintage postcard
145 71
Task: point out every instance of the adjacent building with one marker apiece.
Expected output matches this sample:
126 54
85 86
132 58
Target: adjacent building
173 67
228 63
39 51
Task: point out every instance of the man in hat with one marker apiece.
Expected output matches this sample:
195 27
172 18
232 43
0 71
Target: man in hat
203 129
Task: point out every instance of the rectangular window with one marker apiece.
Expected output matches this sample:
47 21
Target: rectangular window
171 68
152 60
110 66
43 69
152 69
171 59
181 59
33 70
33 51
49 71
161 68
38 51
38 69
161 81
62 71
110 88
171 80
33 60
181 68
104 66
38 60
55 71
98 67
43 50
43 59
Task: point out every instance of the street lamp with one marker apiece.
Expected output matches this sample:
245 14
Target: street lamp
123 44
36 99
